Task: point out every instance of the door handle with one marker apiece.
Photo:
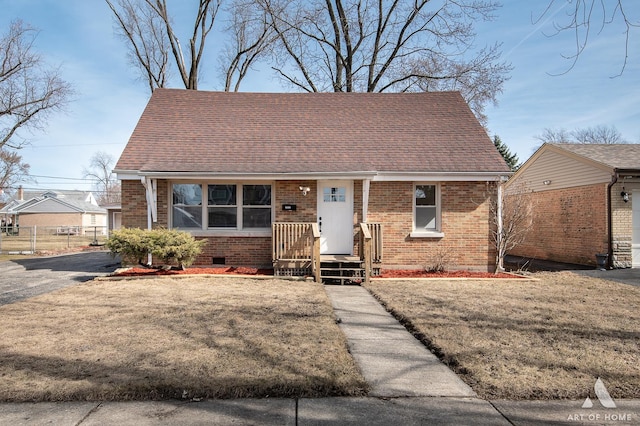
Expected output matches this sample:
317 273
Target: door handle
320 224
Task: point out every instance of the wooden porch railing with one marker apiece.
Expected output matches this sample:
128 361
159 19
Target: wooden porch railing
375 229
365 250
297 245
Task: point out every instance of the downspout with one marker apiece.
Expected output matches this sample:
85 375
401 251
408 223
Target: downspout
614 179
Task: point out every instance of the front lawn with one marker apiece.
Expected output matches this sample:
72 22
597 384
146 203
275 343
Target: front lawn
158 338
521 339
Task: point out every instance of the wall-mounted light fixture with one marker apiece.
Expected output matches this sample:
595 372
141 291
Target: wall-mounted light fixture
305 190
546 182
624 195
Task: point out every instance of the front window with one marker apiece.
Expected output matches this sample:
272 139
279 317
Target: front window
227 206
223 209
425 208
187 206
256 206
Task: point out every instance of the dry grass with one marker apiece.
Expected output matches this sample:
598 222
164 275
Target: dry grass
175 338
546 339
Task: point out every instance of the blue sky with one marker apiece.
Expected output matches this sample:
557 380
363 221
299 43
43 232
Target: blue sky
77 36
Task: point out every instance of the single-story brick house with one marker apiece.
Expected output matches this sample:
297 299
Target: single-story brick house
584 203
278 178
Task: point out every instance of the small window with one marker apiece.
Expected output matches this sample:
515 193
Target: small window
334 195
426 210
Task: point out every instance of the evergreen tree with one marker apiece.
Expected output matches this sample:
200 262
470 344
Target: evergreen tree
511 159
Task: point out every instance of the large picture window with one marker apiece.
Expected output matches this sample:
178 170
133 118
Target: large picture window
426 209
227 206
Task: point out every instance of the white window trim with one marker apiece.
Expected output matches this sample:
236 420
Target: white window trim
437 233
223 232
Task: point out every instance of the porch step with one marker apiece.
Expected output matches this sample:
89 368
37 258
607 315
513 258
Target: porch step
341 270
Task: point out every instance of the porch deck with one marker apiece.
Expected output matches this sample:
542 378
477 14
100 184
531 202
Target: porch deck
296 252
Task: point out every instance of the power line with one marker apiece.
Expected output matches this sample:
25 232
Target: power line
71 145
59 177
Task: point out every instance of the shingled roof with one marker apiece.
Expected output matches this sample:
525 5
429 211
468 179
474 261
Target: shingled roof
253 133
616 156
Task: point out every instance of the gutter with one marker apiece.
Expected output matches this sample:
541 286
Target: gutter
374 176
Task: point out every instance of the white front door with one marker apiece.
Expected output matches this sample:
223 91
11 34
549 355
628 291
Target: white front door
635 225
335 216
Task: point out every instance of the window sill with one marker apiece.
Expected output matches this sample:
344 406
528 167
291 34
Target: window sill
427 234
230 233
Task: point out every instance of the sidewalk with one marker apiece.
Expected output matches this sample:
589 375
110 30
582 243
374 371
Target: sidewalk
410 386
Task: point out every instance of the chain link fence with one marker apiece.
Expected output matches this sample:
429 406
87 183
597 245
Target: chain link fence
33 239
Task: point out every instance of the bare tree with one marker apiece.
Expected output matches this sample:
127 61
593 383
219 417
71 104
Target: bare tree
583 16
385 45
12 170
554 136
148 28
589 135
30 91
101 171
251 37
143 31
513 220
598 134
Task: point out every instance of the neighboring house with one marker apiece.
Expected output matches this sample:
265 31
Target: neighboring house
273 179
63 211
583 197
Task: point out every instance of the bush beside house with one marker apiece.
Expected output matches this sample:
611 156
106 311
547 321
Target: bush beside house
172 247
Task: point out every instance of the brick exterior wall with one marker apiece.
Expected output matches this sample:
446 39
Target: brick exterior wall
134 204
465 223
569 225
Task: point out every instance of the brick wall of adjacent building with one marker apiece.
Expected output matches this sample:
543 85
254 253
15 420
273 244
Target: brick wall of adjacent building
569 225
50 219
465 223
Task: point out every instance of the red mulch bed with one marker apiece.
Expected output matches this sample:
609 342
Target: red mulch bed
133 272
255 271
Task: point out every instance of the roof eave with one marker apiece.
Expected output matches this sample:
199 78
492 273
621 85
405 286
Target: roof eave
356 175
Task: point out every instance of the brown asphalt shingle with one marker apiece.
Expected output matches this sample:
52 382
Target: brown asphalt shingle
618 156
222 132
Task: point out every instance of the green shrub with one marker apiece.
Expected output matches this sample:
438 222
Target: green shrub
132 244
171 246
176 247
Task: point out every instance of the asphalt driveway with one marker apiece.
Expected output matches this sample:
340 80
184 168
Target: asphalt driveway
624 276
24 278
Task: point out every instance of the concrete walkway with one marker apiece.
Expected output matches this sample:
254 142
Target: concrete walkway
392 361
